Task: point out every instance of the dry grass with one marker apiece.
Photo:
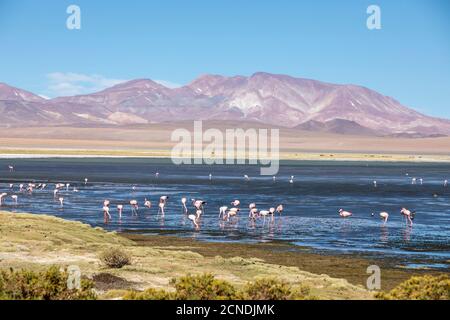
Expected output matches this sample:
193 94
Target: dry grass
34 241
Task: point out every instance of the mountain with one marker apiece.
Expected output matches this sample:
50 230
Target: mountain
265 98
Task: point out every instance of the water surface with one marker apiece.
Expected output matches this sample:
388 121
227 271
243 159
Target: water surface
311 202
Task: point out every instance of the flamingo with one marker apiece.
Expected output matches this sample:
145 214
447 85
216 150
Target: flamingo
162 204
106 203
134 207
11 186
253 214
43 186
235 203
55 192
61 201
445 183
264 214
85 181
291 181
198 204
67 186
413 181
223 212
375 183
183 202
147 203
11 168
384 216
210 177
1 197
106 215
280 209
21 187
233 212
75 189
157 175
345 214
14 197
274 178
120 209
272 213
194 218
246 177
408 215
421 181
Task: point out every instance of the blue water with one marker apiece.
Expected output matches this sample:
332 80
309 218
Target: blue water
311 203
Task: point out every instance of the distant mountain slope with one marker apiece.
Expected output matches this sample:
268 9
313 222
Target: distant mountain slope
266 98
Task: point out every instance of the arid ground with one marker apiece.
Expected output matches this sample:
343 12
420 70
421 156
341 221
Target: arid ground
155 141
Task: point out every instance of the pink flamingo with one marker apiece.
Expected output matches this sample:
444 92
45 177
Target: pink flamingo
11 186
147 203
235 203
253 214
106 215
134 207
21 187
1 197
183 202
120 209
11 168
280 209
264 214
223 212
61 201
344 214
408 215
14 197
232 212
194 219
384 216
198 204
272 213
162 204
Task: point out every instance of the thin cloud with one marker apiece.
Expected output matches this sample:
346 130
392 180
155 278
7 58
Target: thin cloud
70 84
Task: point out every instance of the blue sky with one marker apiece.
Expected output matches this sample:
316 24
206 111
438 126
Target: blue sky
174 41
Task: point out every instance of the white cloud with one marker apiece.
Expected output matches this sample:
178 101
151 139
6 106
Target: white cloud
70 84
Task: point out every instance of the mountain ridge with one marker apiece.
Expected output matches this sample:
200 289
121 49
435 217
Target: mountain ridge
266 98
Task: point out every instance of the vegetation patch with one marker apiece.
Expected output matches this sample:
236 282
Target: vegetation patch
115 258
420 288
46 285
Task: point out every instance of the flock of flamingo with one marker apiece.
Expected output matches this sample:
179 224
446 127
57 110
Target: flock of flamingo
226 213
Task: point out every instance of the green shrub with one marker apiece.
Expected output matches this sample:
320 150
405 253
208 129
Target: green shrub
420 288
47 285
203 287
149 294
115 258
267 289
206 287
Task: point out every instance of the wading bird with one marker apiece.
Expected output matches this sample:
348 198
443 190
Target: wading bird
183 203
344 214
134 207
409 216
120 209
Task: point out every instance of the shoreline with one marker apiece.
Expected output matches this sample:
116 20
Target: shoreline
284 156
34 241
